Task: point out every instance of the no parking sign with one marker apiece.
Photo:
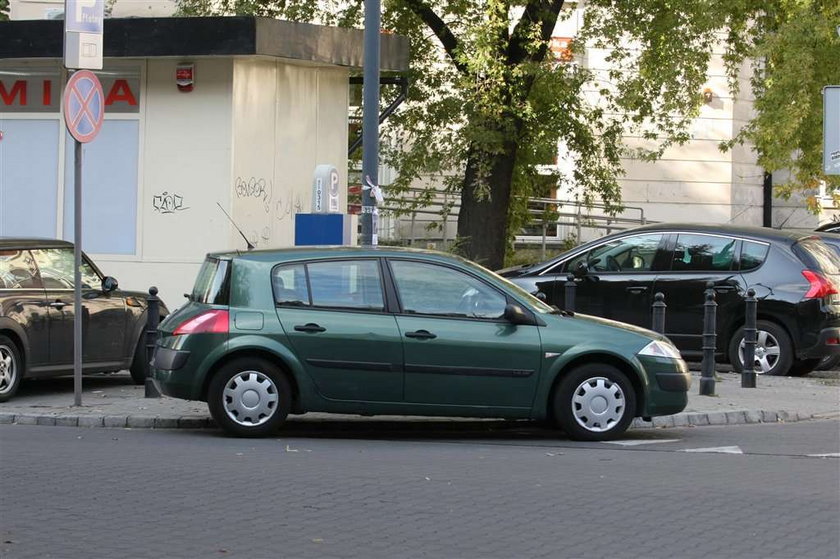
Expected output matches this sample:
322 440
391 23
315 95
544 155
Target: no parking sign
84 106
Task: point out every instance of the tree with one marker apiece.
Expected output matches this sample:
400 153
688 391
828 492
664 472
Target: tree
4 10
488 103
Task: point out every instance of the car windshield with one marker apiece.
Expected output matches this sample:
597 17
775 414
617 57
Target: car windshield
535 303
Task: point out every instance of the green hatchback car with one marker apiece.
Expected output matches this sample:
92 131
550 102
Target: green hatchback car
394 331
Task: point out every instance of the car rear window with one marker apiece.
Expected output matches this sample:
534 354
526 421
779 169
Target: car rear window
212 284
816 254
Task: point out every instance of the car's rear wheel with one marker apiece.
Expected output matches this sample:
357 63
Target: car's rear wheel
138 364
828 363
773 349
594 402
249 397
11 368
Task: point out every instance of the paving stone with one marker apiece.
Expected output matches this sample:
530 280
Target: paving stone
192 423
67 420
26 419
681 420
166 423
698 419
7 418
770 416
140 421
753 416
736 417
663 421
90 421
46 420
717 418
114 421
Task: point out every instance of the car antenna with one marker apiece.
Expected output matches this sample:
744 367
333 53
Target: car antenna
247 242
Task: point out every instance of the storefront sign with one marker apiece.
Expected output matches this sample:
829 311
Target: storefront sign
42 94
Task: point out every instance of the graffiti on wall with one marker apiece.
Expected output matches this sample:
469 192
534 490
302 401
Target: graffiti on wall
168 203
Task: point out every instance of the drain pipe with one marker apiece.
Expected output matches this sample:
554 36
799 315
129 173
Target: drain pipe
768 199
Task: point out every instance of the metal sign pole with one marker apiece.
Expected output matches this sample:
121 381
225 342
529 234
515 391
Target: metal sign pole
77 275
370 122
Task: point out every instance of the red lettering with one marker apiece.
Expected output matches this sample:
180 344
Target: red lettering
120 91
18 90
46 96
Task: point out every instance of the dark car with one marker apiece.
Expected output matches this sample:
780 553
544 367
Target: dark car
795 277
830 227
36 316
402 332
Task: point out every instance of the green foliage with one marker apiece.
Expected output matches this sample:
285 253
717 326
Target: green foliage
4 10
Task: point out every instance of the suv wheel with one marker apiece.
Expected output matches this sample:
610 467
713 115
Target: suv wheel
773 349
11 369
594 402
249 397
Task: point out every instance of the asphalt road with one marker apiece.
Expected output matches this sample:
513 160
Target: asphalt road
767 490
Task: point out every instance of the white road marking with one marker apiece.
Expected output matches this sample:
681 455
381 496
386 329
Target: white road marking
717 449
637 442
827 455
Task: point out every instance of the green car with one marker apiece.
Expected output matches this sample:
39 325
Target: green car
393 331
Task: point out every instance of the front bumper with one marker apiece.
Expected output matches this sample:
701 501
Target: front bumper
668 384
828 343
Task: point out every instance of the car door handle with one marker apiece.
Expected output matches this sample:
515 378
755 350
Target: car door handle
310 327
421 334
636 289
58 304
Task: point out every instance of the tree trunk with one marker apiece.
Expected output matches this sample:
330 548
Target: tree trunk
482 224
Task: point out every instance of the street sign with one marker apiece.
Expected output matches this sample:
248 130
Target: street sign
83 23
831 130
84 106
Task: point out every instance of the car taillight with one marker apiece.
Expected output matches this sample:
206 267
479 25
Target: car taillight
208 322
820 285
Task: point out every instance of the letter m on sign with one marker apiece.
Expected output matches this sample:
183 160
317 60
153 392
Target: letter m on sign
18 90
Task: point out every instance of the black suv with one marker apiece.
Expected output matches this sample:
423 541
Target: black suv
36 316
795 276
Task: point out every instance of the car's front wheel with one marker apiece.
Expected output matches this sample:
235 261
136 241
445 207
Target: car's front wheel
249 397
594 402
11 368
773 349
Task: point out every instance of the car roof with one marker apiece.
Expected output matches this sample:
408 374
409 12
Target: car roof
32 242
303 253
759 233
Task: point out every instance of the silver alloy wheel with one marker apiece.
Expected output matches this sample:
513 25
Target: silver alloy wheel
8 369
598 404
767 352
250 398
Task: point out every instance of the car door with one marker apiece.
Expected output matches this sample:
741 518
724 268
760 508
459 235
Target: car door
23 303
619 278
695 260
104 314
459 351
333 313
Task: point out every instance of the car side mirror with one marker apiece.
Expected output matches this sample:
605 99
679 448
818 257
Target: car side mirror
517 315
581 269
109 284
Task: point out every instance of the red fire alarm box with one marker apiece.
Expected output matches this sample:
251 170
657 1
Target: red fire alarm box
185 77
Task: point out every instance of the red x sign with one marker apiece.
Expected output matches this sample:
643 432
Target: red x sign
84 106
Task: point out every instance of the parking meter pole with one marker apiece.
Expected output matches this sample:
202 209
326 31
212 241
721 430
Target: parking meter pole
152 320
569 302
707 368
748 366
370 121
77 275
659 313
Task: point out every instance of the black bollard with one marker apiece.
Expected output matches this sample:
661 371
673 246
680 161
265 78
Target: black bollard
748 366
659 313
707 367
152 320
570 285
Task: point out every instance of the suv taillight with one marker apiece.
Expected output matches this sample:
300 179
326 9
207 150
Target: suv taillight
820 286
209 322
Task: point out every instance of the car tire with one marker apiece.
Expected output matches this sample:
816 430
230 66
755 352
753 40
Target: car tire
249 397
594 402
801 367
138 363
828 363
774 350
11 368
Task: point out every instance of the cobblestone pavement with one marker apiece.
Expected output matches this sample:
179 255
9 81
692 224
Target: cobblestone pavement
752 491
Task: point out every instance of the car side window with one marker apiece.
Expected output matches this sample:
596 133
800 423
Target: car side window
703 253
350 284
57 267
431 289
289 285
628 254
752 255
18 270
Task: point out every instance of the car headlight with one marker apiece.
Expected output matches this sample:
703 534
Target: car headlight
658 348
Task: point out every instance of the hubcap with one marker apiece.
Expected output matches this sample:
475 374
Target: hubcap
8 369
250 398
767 352
598 404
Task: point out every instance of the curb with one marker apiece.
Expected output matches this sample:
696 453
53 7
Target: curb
691 419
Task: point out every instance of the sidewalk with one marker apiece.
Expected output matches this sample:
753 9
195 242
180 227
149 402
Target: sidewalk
114 401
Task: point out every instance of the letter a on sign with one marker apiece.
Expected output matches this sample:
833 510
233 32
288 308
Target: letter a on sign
84 106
